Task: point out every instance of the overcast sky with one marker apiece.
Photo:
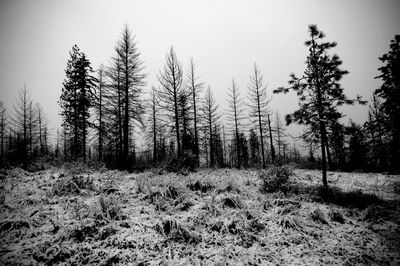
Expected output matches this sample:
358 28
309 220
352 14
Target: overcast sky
225 38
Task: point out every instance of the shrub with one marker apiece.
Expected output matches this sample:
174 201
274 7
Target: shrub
66 185
110 208
202 186
318 216
336 216
177 232
187 162
275 179
233 202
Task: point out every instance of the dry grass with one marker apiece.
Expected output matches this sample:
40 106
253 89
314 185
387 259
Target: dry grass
216 217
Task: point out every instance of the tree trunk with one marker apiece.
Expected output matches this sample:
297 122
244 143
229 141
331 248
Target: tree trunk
270 140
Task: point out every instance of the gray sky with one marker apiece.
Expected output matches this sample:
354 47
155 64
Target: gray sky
225 38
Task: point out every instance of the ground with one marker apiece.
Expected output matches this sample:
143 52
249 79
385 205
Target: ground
210 217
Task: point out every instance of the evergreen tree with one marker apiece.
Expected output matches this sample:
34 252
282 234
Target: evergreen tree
390 94
76 99
319 91
254 148
357 149
3 123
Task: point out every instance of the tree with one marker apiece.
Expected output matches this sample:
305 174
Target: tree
319 91
279 137
235 116
390 94
113 112
155 128
254 148
210 117
357 148
132 83
259 104
76 99
99 110
196 88
171 78
42 123
20 123
377 137
3 122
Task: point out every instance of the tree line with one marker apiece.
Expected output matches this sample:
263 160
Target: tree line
106 111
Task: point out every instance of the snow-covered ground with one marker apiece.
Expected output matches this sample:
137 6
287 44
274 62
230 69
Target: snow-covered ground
211 217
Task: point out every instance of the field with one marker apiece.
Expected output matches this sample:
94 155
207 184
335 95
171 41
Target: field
210 217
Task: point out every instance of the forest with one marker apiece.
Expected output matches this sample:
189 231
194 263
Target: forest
164 163
109 117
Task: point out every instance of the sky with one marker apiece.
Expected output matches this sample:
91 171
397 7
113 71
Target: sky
225 39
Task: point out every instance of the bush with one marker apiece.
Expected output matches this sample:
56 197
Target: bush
177 232
187 162
275 179
66 185
203 186
110 209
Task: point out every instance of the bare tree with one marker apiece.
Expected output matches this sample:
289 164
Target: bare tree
132 83
259 105
196 88
42 123
99 110
20 123
171 78
235 117
210 117
155 124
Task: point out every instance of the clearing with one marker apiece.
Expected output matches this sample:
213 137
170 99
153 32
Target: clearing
210 217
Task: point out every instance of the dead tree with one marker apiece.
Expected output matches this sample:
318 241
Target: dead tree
210 117
171 78
20 123
132 83
235 116
259 105
196 88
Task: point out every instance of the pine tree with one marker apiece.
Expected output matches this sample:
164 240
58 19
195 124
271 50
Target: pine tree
357 148
76 99
3 123
254 148
390 94
319 91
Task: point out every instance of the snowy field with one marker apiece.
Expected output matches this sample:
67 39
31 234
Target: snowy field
211 217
